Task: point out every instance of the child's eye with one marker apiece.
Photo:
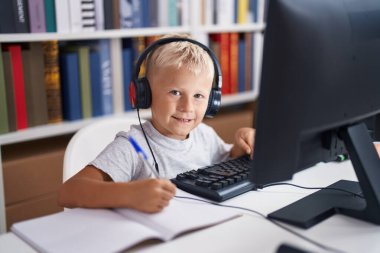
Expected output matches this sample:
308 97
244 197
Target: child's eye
199 96
175 92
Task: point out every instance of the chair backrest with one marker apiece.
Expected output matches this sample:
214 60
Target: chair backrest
90 140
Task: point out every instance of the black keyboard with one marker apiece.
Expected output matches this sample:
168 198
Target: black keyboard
217 182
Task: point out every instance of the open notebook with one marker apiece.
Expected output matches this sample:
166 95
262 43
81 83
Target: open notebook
106 230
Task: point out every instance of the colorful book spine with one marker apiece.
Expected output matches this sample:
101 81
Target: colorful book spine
37 16
234 62
21 15
96 84
11 108
172 13
137 10
7 21
18 86
52 81
127 71
108 14
248 61
242 11
99 14
126 14
163 13
241 68
85 80
253 10
153 13
144 12
106 76
184 10
225 62
4 127
88 15
225 12
72 105
33 61
116 24
51 26
75 12
62 15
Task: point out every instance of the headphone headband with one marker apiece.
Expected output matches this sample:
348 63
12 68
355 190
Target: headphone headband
160 42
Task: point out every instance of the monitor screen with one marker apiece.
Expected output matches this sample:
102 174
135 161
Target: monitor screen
320 83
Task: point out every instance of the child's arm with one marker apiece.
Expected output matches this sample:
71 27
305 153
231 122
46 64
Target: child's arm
92 188
243 143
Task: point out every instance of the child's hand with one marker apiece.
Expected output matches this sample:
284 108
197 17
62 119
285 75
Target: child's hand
151 195
244 142
377 146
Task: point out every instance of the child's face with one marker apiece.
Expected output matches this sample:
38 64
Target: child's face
179 101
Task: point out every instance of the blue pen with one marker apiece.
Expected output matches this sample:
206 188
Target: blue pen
140 152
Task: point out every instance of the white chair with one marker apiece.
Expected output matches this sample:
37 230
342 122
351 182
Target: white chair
90 140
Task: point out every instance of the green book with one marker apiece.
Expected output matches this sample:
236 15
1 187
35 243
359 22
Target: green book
36 103
50 16
85 81
3 101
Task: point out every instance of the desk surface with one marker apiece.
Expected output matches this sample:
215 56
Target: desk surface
252 233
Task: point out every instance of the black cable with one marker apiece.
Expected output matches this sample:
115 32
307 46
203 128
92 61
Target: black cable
311 188
319 245
147 141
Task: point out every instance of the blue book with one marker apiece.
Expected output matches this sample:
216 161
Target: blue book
126 14
96 84
127 71
137 11
152 14
144 12
253 9
106 76
70 85
241 62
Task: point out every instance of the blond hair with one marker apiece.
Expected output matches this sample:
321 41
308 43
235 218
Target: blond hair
180 54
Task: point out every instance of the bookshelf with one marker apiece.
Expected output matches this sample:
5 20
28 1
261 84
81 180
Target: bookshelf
195 28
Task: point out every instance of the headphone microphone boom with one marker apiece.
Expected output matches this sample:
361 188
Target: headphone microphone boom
139 89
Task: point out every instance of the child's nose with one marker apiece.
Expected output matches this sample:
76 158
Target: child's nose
186 104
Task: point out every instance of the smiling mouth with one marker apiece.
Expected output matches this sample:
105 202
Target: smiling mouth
182 119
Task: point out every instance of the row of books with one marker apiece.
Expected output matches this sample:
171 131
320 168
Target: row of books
29 85
227 12
236 55
49 82
71 16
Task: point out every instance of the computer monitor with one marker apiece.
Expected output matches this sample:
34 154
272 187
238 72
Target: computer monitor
320 82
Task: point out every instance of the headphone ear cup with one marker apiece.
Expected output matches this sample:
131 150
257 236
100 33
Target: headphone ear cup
140 94
214 102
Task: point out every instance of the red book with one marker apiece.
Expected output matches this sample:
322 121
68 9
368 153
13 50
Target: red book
19 90
234 62
221 41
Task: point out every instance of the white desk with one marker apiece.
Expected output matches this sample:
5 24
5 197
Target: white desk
251 233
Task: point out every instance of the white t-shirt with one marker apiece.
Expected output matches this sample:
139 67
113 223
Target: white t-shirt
121 162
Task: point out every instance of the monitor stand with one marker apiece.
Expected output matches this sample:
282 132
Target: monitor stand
322 204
